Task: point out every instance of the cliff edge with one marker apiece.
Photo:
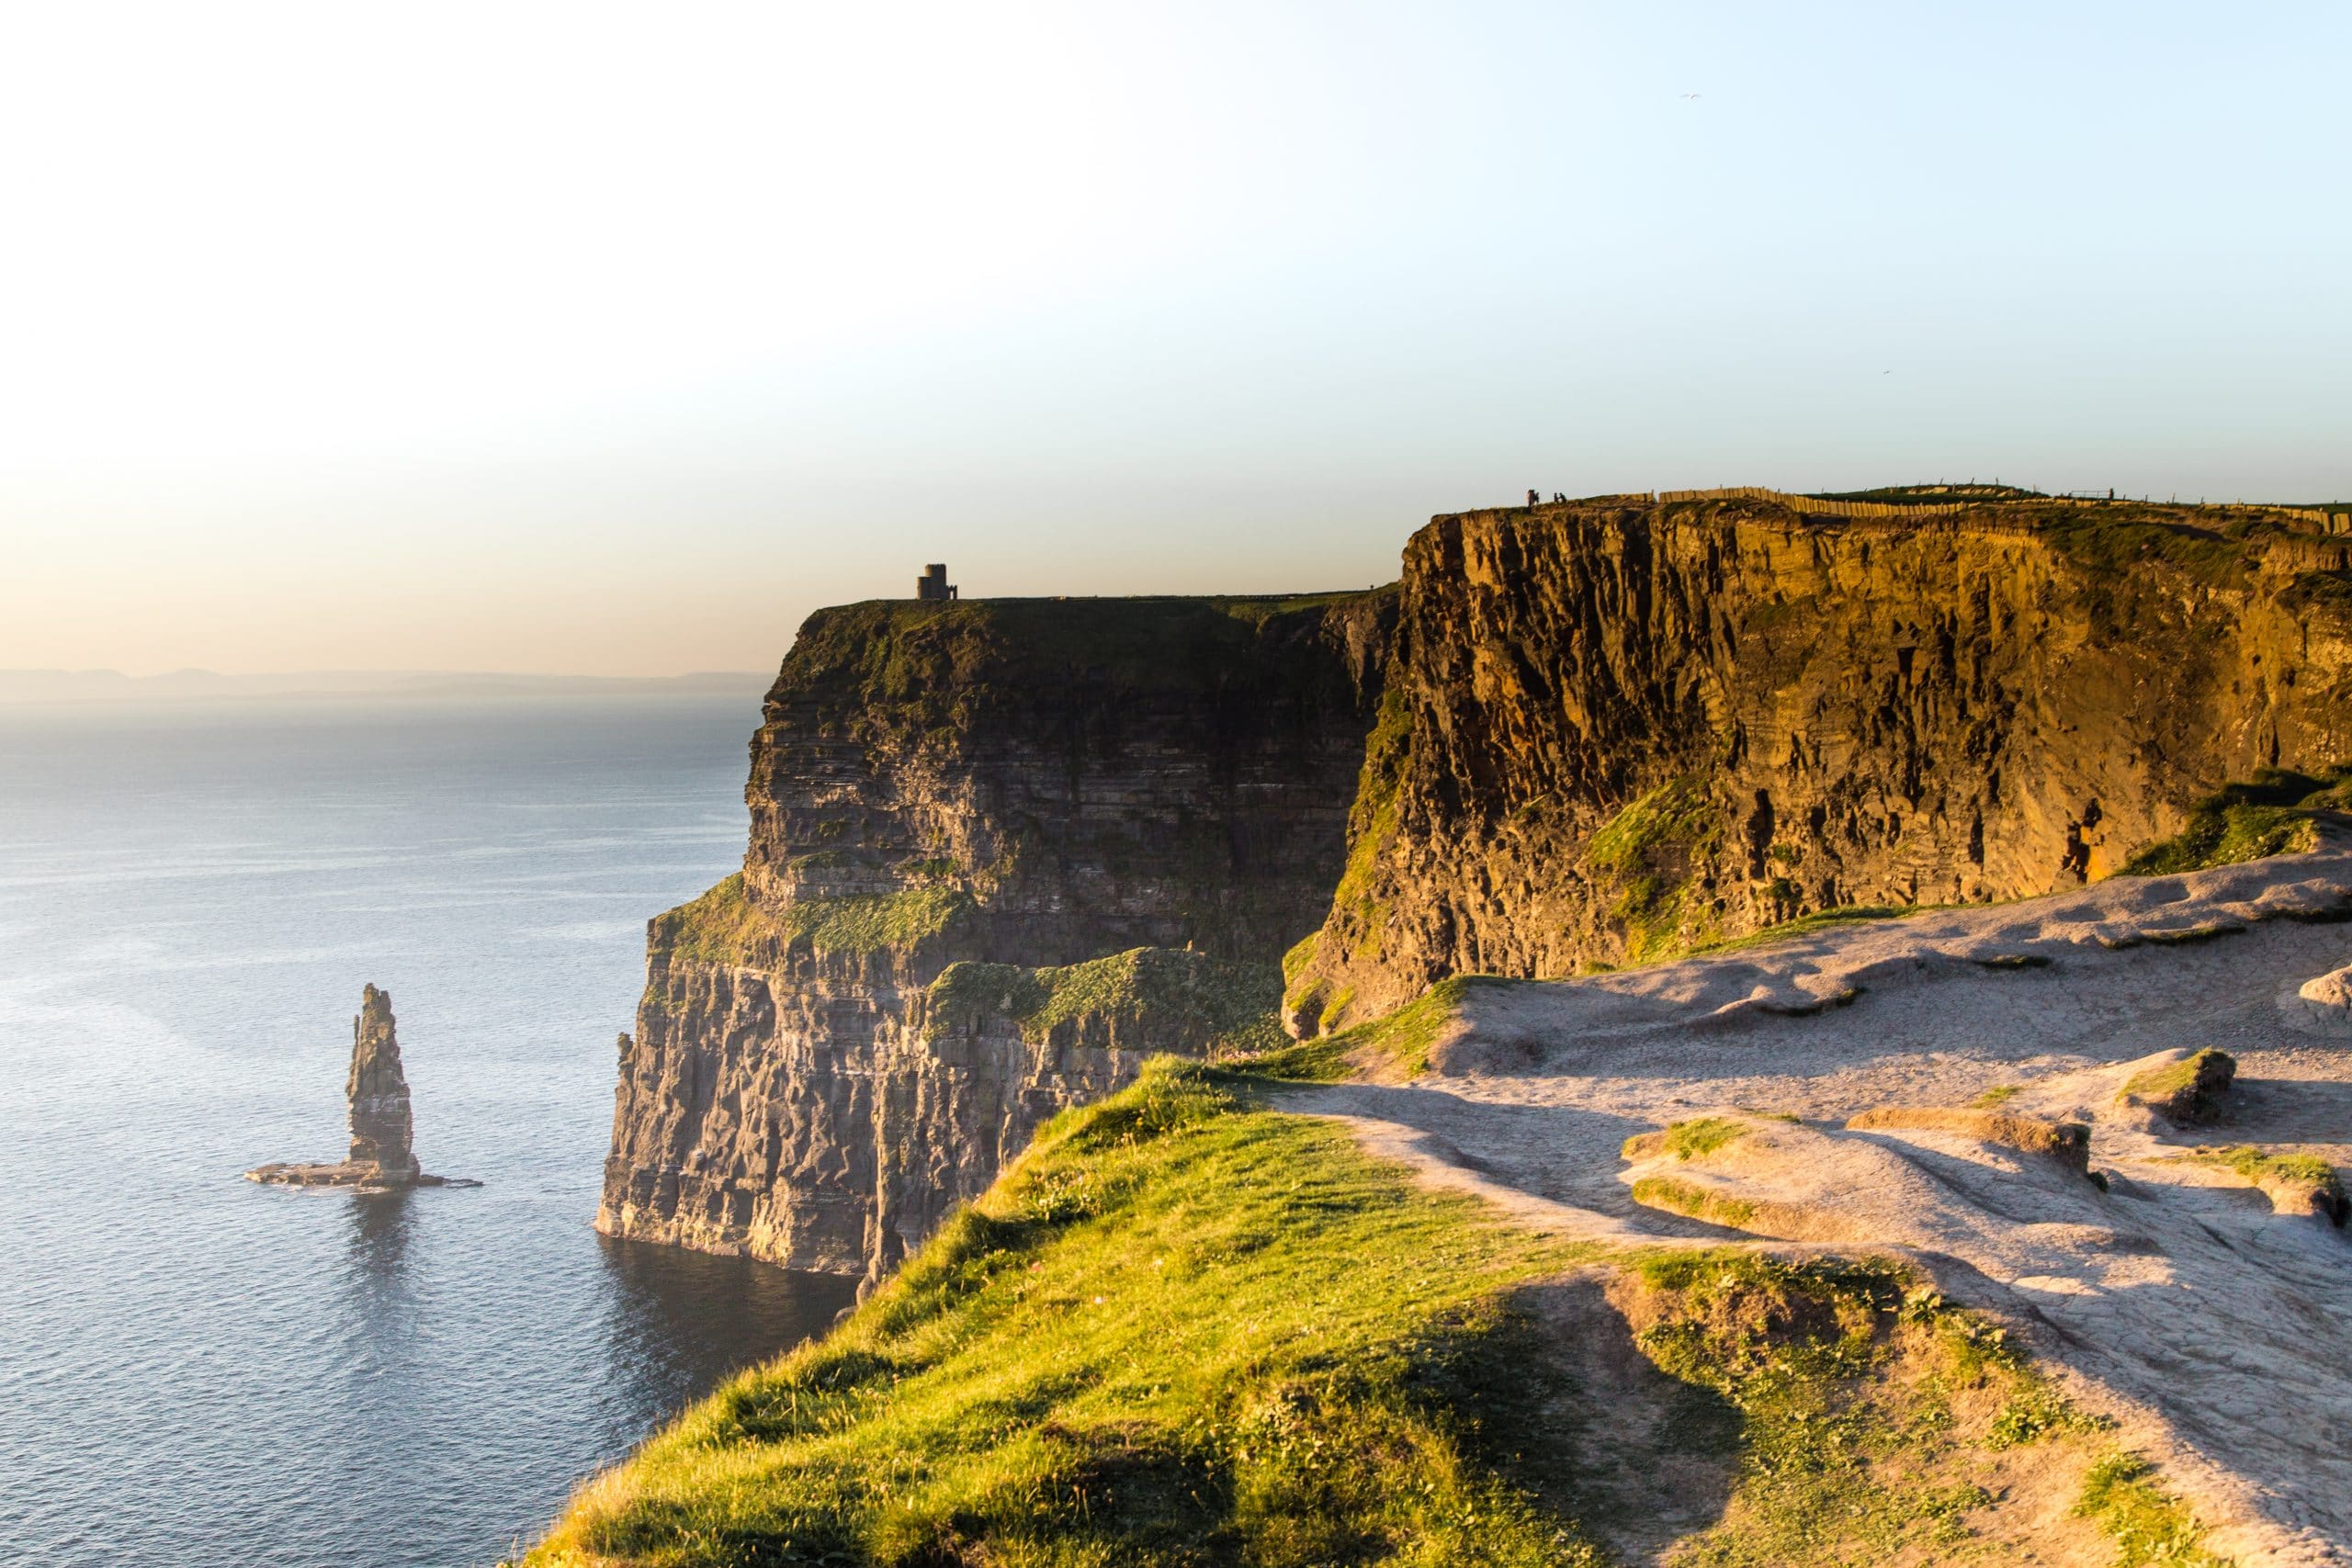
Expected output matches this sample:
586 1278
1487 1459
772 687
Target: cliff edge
1105 815
1620 729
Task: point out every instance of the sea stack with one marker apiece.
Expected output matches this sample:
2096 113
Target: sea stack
381 1123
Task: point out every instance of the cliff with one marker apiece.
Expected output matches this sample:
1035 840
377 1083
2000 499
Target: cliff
1030 792
1618 729
1185 1328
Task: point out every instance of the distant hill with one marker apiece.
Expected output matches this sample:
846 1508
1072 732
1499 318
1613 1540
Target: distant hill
109 685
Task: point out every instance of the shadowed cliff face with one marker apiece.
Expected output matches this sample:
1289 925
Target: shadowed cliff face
1613 732
1024 784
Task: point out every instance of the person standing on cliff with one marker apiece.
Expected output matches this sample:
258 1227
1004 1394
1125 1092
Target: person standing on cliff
1532 499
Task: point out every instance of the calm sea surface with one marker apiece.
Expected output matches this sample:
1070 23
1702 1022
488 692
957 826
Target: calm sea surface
195 1370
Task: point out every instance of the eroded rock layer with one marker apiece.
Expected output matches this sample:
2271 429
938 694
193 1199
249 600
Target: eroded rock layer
1018 786
1617 729
382 1126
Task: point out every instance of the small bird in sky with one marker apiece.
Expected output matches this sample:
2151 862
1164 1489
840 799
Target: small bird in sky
1689 94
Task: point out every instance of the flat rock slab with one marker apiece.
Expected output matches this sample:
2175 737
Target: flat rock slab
365 1177
2179 1300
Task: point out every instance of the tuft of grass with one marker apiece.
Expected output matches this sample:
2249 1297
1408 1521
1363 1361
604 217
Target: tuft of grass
1686 1140
1694 1203
2148 1526
1676 813
1300 955
1374 821
1648 848
723 926
2112 541
2067 1142
1998 1096
1851 1378
1396 1044
2185 1091
2303 1180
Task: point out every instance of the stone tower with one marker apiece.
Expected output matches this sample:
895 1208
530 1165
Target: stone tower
381 1126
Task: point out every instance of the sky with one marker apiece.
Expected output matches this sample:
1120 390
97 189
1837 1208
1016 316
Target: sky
613 339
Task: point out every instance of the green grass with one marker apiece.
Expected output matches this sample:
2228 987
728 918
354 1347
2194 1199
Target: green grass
1357 907
1694 1203
1396 1044
2148 1526
2182 1088
1677 813
1185 1000
1843 1373
720 926
2215 549
1373 818
1805 925
1647 849
872 922
2304 1173
2253 819
1998 1096
2224 836
1182 1329
724 926
1186 1329
1686 1140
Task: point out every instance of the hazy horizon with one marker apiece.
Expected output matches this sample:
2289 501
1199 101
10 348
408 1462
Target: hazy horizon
545 340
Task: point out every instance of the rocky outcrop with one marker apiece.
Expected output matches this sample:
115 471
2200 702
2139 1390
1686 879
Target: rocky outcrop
2068 1142
1618 729
381 1123
1574 737
1020 789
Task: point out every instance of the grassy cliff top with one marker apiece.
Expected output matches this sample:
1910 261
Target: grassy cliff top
2212 542
1187 1329
898 648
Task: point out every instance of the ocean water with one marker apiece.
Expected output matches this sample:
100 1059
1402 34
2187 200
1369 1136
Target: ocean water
197 1370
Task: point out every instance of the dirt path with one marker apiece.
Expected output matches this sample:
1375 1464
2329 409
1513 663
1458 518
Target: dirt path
2217 1332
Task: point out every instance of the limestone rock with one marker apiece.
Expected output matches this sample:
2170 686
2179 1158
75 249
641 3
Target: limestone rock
2322 1005
2068 1142
382 1122
1006 786
2186 1088
1617 729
